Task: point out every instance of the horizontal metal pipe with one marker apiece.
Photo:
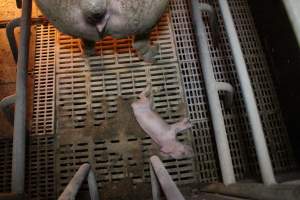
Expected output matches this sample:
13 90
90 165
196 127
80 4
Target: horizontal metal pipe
167 184
18 157
212 94
74 185
262 152
35 21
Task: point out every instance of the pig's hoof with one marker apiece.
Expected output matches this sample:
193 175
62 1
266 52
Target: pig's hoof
181 125
90 52
150 54
147 52
88 47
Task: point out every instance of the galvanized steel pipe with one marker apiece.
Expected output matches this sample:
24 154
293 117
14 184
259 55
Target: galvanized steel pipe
5 104
212 88
249 98
72 188
18 157
10 34
74 185
161 176
93 187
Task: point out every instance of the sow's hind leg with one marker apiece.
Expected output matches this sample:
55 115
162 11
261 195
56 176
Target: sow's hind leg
145 50
88 47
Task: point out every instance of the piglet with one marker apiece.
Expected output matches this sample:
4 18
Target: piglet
162 133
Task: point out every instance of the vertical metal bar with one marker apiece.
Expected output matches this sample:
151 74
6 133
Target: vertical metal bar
154 185
213 96
249 98
167 184
74 185
93 187
18 160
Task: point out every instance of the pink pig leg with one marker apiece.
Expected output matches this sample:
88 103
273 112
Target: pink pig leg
181 125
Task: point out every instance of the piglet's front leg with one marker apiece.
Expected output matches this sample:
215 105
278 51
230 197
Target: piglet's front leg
161 132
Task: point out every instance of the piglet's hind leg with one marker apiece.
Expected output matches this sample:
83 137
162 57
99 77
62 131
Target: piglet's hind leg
181 125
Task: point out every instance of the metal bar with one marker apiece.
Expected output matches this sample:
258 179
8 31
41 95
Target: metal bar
93 187
36 20
10 34
167 184
5 104
293 11
154 185
229 93
262 152
212 93
18 157
72 188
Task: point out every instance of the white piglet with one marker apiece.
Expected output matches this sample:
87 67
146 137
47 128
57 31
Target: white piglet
161 132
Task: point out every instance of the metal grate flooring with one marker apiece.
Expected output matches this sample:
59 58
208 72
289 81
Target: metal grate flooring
78 95
87 93
44 80
39 167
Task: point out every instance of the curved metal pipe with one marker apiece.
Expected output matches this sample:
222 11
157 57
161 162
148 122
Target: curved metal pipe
4 106
229 93
262 152
10 34
18 157
74 185
212 88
